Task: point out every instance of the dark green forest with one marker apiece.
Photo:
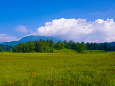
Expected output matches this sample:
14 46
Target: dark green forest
49 46
6 48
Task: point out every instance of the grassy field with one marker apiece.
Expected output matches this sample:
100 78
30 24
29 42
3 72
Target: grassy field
57 69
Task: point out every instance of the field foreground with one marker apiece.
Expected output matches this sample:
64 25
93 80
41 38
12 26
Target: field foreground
57 69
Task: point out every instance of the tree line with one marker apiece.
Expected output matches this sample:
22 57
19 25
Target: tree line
6 48
49 46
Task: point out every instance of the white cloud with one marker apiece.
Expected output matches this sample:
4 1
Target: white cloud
22 29
79 30
7 38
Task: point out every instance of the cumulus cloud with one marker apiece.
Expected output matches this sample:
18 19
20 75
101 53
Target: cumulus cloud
22 29
79 30
7 38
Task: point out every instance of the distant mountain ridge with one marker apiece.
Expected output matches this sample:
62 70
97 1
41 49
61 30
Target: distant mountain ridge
29 38
34 38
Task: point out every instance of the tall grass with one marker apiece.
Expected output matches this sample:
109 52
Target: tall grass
57 69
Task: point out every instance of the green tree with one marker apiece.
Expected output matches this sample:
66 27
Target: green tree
36 43
80 47
59 45
51 43
29 46
105 45
0 49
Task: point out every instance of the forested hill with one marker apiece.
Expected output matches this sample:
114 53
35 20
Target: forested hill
44 42
34 38
49 45
29 38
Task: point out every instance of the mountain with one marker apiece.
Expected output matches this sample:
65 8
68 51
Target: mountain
29 38
34 38
12 43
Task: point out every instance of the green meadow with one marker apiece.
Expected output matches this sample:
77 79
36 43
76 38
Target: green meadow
57 69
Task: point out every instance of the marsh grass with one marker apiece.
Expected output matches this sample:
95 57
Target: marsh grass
57 69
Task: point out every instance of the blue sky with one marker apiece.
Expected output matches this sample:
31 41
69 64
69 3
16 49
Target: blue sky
29 15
